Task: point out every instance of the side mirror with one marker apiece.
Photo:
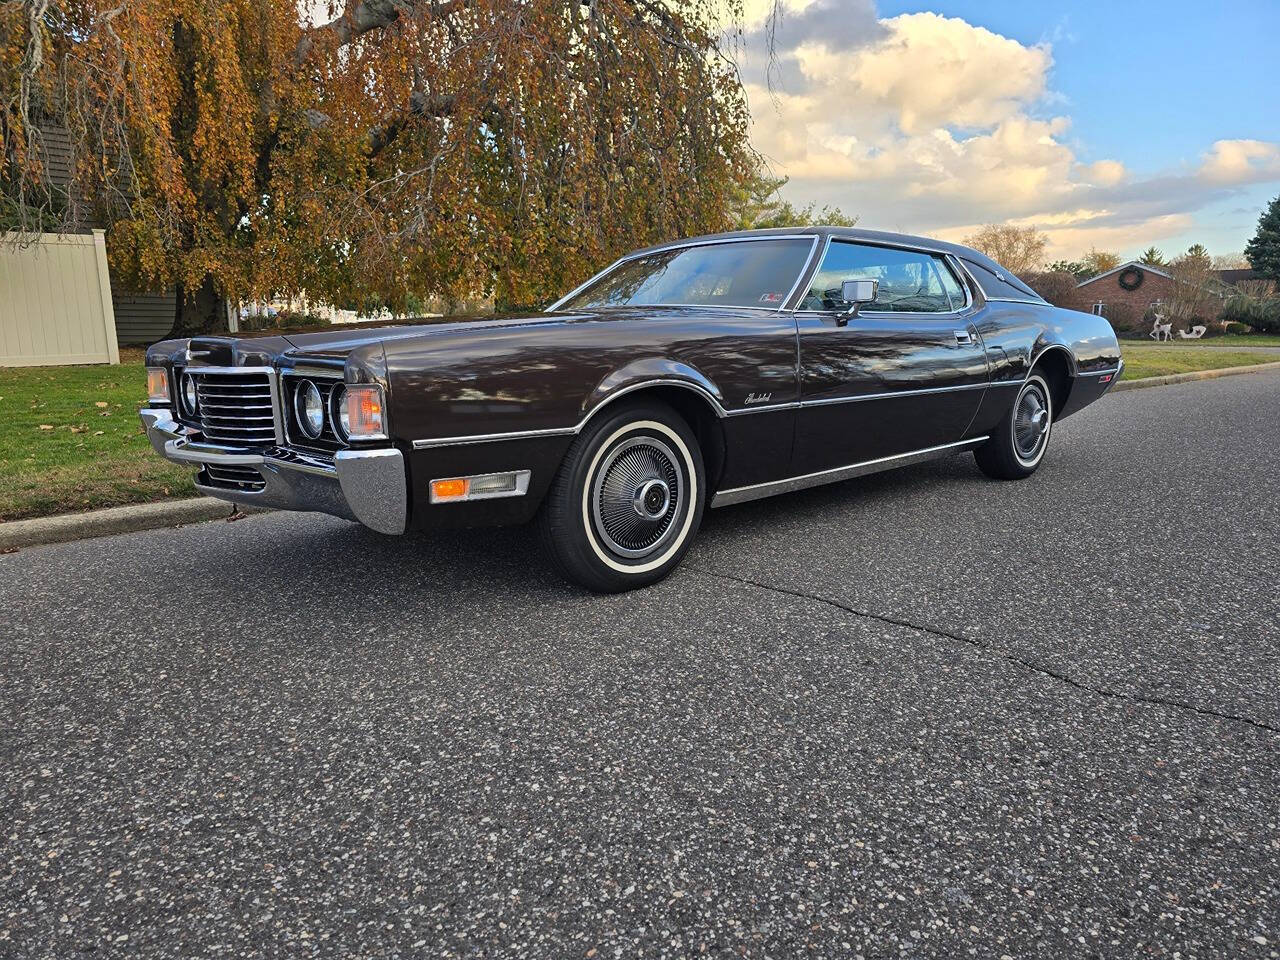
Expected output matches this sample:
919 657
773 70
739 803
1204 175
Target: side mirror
855 293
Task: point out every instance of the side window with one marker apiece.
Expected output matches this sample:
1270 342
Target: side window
949 283
910 281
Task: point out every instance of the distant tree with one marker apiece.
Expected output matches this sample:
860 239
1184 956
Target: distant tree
1152 257
1074 267
1230 261
1019 249
1100 261
1193 297
757 204
1056 286
1263 250
1199 254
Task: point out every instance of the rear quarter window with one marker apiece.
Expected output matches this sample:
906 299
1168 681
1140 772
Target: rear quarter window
1002 286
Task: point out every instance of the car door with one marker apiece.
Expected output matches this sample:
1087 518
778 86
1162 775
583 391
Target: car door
904 373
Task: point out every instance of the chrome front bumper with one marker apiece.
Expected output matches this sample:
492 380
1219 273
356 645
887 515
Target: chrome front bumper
365 485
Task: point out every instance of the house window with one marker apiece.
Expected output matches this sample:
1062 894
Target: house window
1100 308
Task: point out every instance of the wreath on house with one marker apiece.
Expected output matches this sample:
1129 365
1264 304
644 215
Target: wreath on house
1130 278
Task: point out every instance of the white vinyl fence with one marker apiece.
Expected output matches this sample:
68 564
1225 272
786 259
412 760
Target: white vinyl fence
55 301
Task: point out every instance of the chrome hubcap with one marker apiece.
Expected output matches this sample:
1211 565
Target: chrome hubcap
652 498
636 495
1031 422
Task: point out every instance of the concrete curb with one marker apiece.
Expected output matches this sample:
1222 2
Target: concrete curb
1194 375
172 513
102 523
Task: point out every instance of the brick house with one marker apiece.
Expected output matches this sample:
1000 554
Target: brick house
1136 286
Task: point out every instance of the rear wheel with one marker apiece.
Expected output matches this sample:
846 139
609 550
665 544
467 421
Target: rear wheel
627 500
1018 444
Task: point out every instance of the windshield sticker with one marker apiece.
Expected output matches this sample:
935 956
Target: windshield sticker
770 298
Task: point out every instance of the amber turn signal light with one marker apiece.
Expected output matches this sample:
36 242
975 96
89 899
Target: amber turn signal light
481 486
364 412
157 385
454 489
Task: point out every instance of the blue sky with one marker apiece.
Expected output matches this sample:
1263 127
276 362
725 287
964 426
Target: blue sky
1108 124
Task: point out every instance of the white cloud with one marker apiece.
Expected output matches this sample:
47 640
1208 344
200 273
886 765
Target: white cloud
933 71
1241 161
930 124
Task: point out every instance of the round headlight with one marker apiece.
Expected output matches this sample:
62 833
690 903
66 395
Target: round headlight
338 414
189 398
309 408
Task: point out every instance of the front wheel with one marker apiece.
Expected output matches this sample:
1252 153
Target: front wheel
1018 444
627 500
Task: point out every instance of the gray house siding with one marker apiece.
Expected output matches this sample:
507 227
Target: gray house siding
143 318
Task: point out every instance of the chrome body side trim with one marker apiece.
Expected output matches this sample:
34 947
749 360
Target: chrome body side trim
763 408
756 491
370 486
492 437
827 401
720 411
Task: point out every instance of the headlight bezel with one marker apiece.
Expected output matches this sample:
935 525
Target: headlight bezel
304 392
339 418
188 395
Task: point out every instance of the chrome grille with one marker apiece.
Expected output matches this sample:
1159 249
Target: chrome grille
236 408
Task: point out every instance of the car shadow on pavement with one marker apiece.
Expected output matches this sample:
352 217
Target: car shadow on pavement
321 563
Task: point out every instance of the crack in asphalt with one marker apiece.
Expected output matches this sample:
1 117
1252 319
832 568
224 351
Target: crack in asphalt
992 649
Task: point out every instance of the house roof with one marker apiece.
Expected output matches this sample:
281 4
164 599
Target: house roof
1125 266
1234 276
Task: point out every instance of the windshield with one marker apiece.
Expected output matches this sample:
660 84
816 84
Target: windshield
744 273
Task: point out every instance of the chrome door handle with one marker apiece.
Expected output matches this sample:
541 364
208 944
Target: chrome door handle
962 336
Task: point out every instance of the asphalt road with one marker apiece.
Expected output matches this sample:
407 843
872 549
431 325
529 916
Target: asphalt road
918 714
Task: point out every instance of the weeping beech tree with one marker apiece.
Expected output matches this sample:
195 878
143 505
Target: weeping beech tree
449 147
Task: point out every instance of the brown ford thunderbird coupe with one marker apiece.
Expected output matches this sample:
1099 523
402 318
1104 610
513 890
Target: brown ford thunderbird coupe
689 375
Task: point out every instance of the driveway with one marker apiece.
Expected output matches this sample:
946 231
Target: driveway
917 714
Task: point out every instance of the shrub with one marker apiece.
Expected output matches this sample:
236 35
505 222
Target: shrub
1263 314
291 319
284 320
1056 286
1124 317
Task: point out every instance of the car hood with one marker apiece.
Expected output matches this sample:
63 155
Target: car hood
263 347
341 340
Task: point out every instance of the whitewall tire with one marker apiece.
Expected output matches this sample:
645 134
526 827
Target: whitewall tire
627 500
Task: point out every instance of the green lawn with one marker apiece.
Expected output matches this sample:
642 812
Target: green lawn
1232 340
1160 360
70 440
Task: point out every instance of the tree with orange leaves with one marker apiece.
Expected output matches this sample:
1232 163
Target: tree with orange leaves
392 148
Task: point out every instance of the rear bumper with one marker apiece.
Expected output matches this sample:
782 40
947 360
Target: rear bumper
369 486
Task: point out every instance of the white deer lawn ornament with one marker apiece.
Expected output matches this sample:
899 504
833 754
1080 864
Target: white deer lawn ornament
1161 330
